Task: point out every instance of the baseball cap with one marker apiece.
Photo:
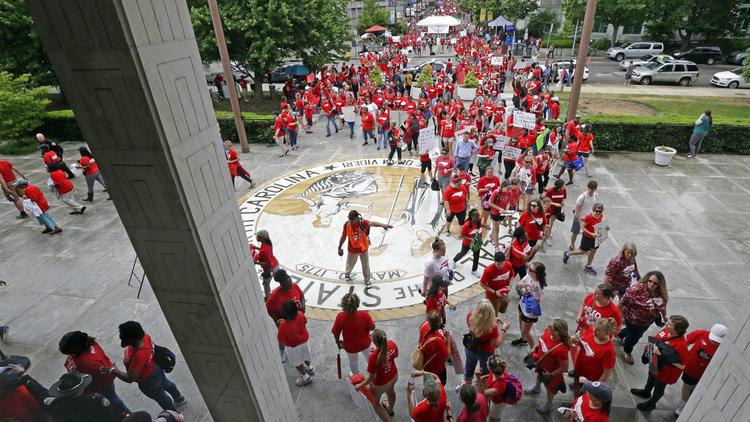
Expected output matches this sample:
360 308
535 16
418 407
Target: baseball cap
598 389
718 331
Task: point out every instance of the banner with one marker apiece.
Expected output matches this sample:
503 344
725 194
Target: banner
500 142
347 113
427 140
496 61
511 152
523 119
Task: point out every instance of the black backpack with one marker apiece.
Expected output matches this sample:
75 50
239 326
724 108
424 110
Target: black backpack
165 358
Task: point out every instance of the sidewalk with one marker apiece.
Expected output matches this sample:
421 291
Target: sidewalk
663 90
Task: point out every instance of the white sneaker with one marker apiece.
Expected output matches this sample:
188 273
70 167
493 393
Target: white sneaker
311 371
476 273
303 380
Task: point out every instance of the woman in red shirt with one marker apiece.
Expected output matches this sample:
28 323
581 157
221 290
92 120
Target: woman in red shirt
84 355
469 230
17 403
586 147
594 405
476 408
382 373
395 142
263 256
597 305
457 197
570 155
669 354
354 326
293 335
622 269
367 124
557 194
595 356
235 169
551 356
520 252
588 244
444 166
485 186
644 303
141 368
437 296
483 326
494 386
533 221
91 172
434 344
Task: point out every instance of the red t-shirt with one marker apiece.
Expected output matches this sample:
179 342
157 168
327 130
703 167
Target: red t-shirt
456 198
140 359
436 351
592 312
489 183
556 196
583 405
36 195
700 354
19 406
589 223
354 329
499 384
293 332
444 165
515 258
89 362
386 371
264 254
593 358
89 164
495 278
447 128
572 152
383 120
367 121
424 412
436 303
585 141
468 231
62 184
50 157
486 339
669 374
278 296
233 166
533 225
480 415
554 359
6 171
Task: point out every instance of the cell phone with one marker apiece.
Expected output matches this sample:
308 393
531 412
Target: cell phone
652 339
562 410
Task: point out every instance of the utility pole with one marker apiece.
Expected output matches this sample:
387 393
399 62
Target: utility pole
588 24
228 76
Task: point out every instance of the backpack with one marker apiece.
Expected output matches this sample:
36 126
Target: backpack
513 389
417 355
165 358
414 125
523 92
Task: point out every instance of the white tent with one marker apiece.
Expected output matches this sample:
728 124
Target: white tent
437 20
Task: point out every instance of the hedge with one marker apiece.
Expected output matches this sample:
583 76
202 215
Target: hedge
62 126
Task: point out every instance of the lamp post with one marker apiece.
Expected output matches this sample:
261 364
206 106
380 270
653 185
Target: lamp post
588 24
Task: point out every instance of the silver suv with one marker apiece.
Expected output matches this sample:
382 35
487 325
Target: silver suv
635 50
678 71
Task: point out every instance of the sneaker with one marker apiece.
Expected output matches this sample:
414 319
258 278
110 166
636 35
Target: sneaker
640 393
534 389
311 371
569 183
22 216
590 270
56 231
646 406
4 333
566 257
690 155
47 230
348 277
679 408
82 210
476 273
544 408
303 380
628 358
519 343
179 401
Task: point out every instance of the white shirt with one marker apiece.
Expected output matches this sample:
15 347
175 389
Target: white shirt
586 203
436 266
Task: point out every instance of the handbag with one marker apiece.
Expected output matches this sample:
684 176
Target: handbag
531 363
476 242
434 185
659 320
578 164
470 342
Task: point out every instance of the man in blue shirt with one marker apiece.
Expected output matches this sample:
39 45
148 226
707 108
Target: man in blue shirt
464 151
700 130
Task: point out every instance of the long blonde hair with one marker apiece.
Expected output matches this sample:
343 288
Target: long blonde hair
380 340
482 318
605 327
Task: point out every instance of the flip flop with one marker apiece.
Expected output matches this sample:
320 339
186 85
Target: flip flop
385 404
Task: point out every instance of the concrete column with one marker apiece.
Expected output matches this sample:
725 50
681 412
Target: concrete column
133 76
723 393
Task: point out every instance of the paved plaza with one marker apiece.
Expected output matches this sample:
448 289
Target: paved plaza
688 221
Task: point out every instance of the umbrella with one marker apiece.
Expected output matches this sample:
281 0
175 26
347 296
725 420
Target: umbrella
499 21
367 36
436 21
297 70
376 28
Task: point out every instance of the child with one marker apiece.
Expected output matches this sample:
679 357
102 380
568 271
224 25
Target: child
437 298
395 143
494 385
515 193
38 205
293 335
498 203
556 194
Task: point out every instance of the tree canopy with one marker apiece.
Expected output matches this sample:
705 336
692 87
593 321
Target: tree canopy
711 18
372 14
22 51
513 10
21 105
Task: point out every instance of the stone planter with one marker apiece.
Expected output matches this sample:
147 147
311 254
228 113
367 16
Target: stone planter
466 94
663 155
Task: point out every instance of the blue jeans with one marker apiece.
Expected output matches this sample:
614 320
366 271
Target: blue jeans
472 358
115 400
368 134
382 138
292 138
463 163
331 120
46 220
351 129
630 334
158 388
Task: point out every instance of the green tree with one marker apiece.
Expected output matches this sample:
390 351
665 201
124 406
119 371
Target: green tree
746 68
662 22
540 21
21 105
514 10
22 51
691 18
372 14
620 13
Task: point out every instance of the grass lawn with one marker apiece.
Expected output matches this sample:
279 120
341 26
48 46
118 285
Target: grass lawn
622 108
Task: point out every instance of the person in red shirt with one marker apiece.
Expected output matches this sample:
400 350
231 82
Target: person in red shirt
294 336
597 305
141 368
594 405
533 221
494 384
496 280
433 342
704 346
330 112
263 256
669 354
557 194
437 297
233 161
382 373
7 184
570 156
520 252
287 290
471 228
488 336
354 326
485 186
17 402
64 190
551 356
367 124
476 407
357 232
34 194
384 127
586 147
588 245
84 355
543 163
91 172
457 197
435 403
594 357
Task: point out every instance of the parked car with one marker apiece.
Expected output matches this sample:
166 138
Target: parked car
558 65
738 58
635 50
437 65
281 74
705 54
730 79
679 71
648 58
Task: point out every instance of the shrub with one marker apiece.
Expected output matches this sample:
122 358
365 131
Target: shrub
601 44
376 76
470 81
425 77
561 42
21 105
21 146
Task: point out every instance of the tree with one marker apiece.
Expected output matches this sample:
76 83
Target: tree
662 22
689 18
620 13
514 10
21 105
746 68
372 14
540 21
260 34
573 10
22 51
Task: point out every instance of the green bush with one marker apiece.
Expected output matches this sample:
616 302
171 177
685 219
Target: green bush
471 81
425 77
62 126
21 146
601 44
21 105
561 42
376 76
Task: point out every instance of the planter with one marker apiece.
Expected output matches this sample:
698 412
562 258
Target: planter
415 91
663 155
466 94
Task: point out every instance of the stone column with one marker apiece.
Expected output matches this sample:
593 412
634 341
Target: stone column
723 393
133 76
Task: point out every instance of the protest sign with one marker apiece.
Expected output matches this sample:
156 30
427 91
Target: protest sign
496 61
523 119
500 142
427 140
511 152
347 113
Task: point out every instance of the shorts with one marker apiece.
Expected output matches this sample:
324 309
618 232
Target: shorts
449 140
497 217
558 214
588 243
584 154
298 355
524 318
444 181
461 216
496 411
687 379
576 227
425 165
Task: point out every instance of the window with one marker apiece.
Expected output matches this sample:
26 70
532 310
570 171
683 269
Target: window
633 29
743 18
692 68
600 25
639 46
679 68
667 68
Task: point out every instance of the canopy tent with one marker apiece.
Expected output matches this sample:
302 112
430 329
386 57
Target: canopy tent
437 20
367 36
499 21
376 28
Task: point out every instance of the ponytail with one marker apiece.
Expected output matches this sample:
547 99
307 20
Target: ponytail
380 340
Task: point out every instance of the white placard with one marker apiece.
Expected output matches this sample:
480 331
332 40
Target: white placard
511 152
496 61
523 119
602 233
427 140
500 141
347 112
373 108
519 65
454 41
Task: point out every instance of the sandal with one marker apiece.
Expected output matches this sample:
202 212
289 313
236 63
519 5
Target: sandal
385 404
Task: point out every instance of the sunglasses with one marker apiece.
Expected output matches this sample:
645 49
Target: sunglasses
598 210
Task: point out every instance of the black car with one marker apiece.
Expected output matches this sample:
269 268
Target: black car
705 54
437 66
738 58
